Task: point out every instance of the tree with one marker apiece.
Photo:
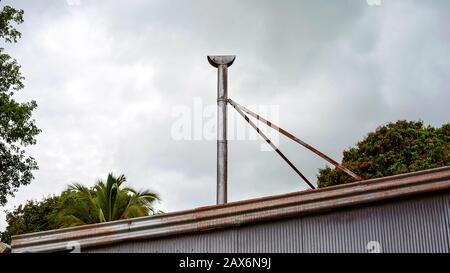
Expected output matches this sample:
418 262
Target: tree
79 205
33 216
395 148
17 128
106 201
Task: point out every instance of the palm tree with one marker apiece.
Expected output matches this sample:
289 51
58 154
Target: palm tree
106 201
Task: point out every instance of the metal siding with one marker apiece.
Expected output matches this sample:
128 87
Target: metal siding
341 232
207 242
406 227
274 237
412 225
446 207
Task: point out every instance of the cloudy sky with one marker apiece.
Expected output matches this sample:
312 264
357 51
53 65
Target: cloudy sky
108 77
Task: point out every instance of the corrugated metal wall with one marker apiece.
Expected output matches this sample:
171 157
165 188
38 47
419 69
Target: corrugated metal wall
412 225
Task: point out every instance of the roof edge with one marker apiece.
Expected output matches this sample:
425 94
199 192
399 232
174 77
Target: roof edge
4 248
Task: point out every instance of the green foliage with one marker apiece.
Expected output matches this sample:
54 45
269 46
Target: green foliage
395 148
79 205
106 201
17 128
33 216
10 15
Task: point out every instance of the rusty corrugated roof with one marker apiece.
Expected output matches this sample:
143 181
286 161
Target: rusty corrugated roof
237 213
4 248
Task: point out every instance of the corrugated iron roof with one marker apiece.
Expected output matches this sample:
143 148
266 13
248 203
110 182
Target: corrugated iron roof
237 213
4 248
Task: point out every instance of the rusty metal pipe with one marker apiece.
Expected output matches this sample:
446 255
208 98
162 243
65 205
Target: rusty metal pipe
274 147
222 63
294 138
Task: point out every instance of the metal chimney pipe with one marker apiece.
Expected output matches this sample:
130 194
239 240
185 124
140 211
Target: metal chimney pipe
222 63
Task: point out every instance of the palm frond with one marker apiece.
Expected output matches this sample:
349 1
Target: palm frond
106 201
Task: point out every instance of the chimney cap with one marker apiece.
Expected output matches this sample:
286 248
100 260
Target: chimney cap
216 60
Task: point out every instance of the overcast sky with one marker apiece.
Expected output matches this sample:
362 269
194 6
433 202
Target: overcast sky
107 76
